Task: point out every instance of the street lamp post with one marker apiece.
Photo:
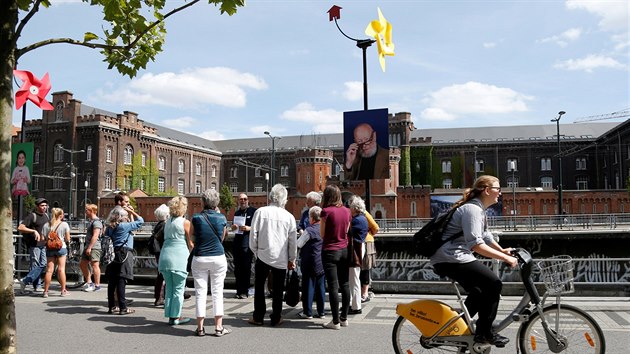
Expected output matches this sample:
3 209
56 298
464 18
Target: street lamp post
475 162
557 120
267 191
273 156
72 176
85 184
513 168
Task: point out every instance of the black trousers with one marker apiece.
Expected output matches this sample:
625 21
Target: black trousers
260 307
337 276
483 287
157 287
242 268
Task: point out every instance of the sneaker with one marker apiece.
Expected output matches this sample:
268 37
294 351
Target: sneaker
343 323
495 339
64 292
97 288
187 296
279 323
355 312
322 316
304 316
365 299
38 290
221 332
22 285
45 294
88 287
331 325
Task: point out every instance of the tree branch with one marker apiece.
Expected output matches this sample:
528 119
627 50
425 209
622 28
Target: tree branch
18 31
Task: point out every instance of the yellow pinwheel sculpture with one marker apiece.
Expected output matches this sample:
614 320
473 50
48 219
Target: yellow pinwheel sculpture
381 30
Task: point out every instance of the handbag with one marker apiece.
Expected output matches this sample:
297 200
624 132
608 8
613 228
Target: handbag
153 244
292 288
194 249
53 242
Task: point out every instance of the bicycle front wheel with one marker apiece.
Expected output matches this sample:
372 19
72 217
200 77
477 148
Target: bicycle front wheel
74 276
576 329
407 338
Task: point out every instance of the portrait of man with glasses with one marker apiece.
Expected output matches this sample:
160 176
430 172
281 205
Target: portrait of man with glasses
365 158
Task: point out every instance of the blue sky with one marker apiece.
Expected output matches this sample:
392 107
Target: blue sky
281 66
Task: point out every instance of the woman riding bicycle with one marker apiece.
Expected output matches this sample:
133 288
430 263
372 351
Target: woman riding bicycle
455 259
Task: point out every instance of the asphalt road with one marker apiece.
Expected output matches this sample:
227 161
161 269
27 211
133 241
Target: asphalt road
79 323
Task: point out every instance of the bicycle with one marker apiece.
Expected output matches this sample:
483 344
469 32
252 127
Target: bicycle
431 326
75 249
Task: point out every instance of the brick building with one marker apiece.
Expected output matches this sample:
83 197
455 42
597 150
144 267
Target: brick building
77 143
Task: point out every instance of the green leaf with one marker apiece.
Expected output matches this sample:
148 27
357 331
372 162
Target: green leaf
89 36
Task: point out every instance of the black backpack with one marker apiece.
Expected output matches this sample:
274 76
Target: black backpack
429 238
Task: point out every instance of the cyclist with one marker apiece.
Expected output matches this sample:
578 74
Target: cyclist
455 259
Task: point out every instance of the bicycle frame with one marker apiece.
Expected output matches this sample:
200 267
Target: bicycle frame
460 328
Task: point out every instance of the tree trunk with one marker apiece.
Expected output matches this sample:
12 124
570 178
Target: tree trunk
8 21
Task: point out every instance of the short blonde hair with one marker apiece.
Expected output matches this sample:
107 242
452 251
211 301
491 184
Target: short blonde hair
178 206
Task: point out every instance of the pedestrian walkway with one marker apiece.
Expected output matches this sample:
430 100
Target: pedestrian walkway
79 323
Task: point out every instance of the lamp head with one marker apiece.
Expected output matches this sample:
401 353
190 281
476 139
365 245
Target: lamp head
266 133
561 113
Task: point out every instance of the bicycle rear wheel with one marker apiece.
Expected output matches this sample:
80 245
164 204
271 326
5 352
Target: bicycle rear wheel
580 331
407 338
74 275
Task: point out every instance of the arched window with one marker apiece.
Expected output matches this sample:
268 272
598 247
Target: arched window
128 155
161 163
108 154
58 153
59 112
144 159
88 153
413 211
213 185
198 187
161 184
284 171
213 170
108 181
446 166
180 186
198 169
180 166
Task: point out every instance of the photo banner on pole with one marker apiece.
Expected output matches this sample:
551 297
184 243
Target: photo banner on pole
21 167
366 144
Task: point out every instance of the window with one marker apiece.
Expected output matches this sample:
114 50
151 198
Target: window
234 187
546 182
198 169
512 181
258 188
36 184
213 186
545 164
88 179
412 209
198 187
447 183
59 112
284 171
108 181
144 159
180 166
308 177
446 166
180 186
88 153
161 163
108 154
321 176
512 165
581 183
234 173
480 166
161 184
580 163
257 172
57 181
142 184
58 154
36 155
128 155
213 172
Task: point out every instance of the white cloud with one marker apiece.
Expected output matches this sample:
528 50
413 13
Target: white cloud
353 91
324 121
563 39
614 14
590 63
211 135
259 130
190 89
179 123
489 44
448 103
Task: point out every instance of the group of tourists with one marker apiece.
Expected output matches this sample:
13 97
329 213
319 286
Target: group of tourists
333 241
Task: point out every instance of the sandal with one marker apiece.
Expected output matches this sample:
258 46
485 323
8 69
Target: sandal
221 332
200 332
126 311
112 310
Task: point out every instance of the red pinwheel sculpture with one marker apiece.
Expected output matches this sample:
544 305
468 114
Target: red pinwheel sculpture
32 89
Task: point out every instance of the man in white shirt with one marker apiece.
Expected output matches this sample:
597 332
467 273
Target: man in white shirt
273 241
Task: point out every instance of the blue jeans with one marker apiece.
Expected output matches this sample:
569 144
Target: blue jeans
313 286
37 256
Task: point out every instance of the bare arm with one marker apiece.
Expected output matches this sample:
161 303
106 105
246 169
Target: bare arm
187 228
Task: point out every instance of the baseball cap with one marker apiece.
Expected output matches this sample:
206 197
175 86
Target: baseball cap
38 201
